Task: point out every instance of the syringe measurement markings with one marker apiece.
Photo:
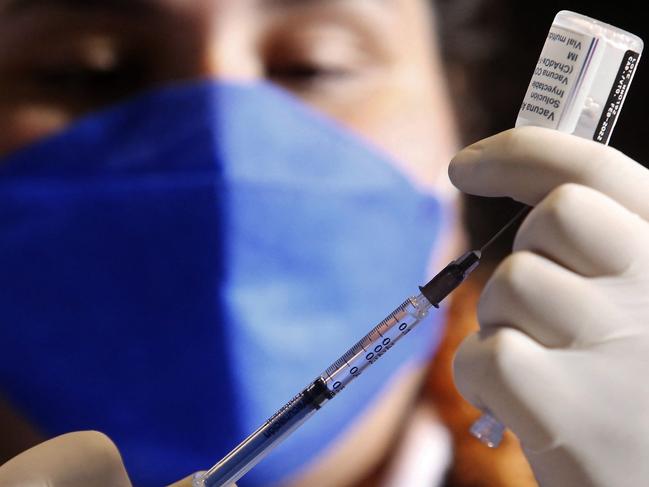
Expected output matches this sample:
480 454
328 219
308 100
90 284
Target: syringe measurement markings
345 358
351 353
337 365
391 317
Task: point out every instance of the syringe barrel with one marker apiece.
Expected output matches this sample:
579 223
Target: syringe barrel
333 380
375 344
245 456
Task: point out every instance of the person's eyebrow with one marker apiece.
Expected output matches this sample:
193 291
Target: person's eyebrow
290 3
127 6
297 3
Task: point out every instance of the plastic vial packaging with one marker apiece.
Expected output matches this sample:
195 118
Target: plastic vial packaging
582 77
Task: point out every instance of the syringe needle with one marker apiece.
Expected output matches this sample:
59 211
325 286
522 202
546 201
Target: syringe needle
519 214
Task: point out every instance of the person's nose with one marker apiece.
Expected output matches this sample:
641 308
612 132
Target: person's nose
231 52
219 40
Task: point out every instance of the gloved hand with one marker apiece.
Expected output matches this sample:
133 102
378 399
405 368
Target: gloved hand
563 350
81 459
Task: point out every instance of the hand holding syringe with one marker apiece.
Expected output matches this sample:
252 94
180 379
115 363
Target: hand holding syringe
578 87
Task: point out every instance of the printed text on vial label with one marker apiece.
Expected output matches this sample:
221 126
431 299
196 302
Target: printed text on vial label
554 77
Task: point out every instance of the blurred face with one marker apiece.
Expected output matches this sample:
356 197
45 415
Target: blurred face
371 64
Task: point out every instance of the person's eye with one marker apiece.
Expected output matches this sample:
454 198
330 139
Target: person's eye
313 59
304 74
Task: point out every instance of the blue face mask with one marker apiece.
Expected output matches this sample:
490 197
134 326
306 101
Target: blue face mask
174 269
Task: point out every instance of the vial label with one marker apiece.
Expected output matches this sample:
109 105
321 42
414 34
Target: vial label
616 97
557 78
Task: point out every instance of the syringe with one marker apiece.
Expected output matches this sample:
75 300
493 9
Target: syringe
344 370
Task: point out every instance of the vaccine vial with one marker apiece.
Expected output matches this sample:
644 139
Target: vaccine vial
582 77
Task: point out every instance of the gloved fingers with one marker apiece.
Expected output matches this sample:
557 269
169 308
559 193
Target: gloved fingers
527 163
511 375
584 231
540 298
72 460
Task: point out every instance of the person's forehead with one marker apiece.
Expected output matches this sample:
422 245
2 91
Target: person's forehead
17 5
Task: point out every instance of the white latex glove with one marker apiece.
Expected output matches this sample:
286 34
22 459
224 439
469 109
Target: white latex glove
562 356
81 459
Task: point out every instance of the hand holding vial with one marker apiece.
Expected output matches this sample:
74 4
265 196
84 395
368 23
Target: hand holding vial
562 346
